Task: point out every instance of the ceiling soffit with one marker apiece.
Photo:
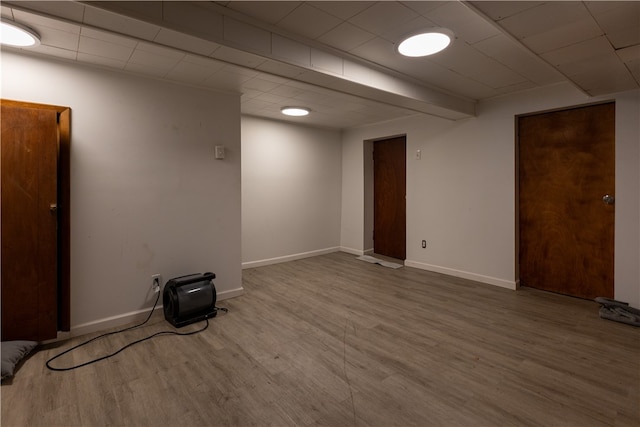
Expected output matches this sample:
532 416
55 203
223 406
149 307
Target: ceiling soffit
241 37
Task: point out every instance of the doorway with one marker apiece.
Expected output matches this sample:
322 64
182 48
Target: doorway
35 219
389 197
566 196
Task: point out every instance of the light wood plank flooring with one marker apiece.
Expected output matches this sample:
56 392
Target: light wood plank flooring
333 341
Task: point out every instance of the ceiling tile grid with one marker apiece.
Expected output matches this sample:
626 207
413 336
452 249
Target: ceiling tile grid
324 53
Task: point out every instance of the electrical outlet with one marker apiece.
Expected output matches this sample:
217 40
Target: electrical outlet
424 244
156 282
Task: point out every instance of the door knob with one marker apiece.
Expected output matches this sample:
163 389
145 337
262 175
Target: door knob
608 199
53 207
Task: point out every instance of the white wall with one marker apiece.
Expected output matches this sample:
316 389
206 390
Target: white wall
461 195
291 186
147 195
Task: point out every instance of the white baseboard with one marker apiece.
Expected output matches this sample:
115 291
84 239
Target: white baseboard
463 274
278 260
351 251
130 318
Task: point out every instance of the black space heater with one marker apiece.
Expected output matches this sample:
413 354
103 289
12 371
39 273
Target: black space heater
189 299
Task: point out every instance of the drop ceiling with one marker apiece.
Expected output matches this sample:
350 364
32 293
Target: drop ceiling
337 57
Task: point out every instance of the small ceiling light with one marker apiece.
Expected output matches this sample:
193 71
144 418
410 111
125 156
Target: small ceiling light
295 111
425 43
14 34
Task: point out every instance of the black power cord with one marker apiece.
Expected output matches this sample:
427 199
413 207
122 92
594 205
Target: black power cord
126 346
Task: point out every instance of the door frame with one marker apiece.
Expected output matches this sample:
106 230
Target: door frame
517 175
368 222
64 207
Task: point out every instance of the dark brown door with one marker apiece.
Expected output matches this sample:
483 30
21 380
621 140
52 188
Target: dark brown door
566 220
389 201
29 223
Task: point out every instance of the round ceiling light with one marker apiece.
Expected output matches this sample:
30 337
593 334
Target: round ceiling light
295 111
14 34
425 43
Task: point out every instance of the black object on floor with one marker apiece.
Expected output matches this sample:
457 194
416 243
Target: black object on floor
189 299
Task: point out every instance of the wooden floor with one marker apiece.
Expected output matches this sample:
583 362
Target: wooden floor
333 341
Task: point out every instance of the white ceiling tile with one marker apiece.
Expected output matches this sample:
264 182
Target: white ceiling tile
325 61
629 54
599 6
592 64
59 39
55 51
210 63
247 73
634 68
194 17
153 60
150 9
262 85
346 37
563 35
614 80
545 17
273 98
383 17
101 60
516 87
105 49
268 11
108 37
37 21
6 12
287 91
464 59
424 8
420 68
272 78
419 23
498 77
617 15
624 37
238 57
342 9
127 26
256 104
498 10
69 10
248 36
465 23
280 69
320 79
248 94
186 42
308 21
291 50
504 50
158 50
377 50
580 51
457 83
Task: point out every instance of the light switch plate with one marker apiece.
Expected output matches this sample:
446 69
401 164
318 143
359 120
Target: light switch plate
219 152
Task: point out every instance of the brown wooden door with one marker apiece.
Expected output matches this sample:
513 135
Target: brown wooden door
29 143
566 230
389 201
